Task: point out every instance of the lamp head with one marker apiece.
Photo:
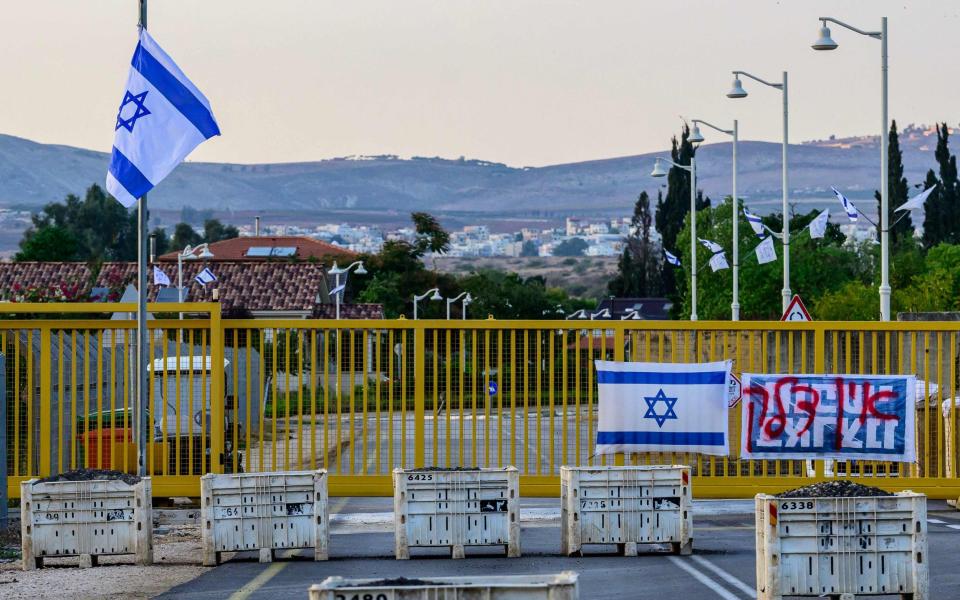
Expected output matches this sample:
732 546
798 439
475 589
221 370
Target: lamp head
468 299
824 42
657 170
360 270
335 270
695 136
436 295
206 254
736 89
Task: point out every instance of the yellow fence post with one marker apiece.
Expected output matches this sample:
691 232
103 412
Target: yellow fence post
217 399
619 356
46 378
419 394
819 366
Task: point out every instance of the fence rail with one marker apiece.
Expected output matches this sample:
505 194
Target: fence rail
362 397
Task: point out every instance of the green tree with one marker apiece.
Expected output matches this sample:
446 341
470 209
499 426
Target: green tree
941 211
184 235
853 301
901 231
50 243
215 231
570 247
638 270
529 249
510 296
99 229
817 266
431 237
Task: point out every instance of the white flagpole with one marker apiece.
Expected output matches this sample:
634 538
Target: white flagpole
142 395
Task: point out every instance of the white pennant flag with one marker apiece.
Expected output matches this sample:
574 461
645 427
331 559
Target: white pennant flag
766 252
711 246
755 222
848 206
918 200
672 259
818 226
718 262
159 277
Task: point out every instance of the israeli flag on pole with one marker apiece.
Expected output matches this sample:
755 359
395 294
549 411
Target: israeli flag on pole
818 226
918 200
711 246
756 223
159 277
662 407
162 118
205 276
672 259
848 206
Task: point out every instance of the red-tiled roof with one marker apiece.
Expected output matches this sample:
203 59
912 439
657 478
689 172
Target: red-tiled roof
236 249
243 286
349 311
71 278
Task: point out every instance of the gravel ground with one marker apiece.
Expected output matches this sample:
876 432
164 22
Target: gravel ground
176 560
834 489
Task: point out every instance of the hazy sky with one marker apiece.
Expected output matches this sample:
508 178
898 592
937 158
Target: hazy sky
526 82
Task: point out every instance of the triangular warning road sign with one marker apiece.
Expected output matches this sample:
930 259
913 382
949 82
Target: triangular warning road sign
796 311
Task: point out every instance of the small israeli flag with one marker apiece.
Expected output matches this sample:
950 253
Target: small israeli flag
765 251
673 260
159 277
718 262
848 206
162 118
662 407
756 223
205 276
918 200
711 246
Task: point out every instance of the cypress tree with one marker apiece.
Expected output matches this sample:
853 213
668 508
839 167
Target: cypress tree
672 209
942 219
640 263
898 190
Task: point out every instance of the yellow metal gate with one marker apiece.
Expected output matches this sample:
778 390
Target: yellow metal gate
363 397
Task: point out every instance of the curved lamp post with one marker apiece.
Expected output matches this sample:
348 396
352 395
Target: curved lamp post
737 91
435 297
337 272
659 172
467 299
825 42
696 137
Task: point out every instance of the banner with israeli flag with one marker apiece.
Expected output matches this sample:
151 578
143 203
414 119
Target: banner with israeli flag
848 206
672 259
756 223
918 200
205 276
818 226
662 407
162 118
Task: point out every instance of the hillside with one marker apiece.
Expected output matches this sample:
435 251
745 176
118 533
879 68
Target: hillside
32 174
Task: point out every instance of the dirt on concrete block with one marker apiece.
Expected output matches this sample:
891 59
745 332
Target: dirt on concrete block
92 475
834 489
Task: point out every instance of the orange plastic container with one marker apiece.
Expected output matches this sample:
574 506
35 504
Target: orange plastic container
99 446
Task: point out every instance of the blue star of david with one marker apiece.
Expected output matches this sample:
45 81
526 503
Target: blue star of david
652 402
139 112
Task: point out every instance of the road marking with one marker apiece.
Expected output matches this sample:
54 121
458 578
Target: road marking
743 587
936 521
258 582
699 576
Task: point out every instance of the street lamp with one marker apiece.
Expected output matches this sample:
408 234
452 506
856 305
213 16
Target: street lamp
825 42
467 299
576 315
337 272
603 314
435 297
659 172
697 137
189 253
737 91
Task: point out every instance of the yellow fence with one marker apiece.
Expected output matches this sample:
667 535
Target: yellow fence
362 397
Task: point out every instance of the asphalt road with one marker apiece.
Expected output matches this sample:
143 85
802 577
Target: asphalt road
722 565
